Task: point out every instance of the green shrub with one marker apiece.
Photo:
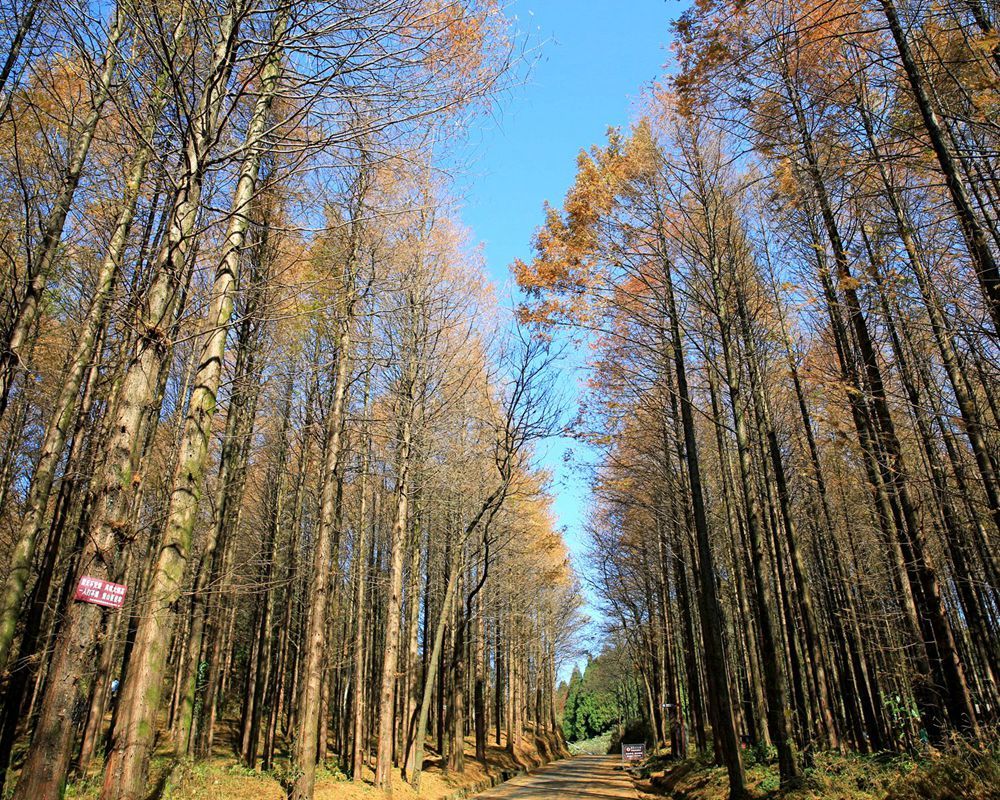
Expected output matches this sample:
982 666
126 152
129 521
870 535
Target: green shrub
759 753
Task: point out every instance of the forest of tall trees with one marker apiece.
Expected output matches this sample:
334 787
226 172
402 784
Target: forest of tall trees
257 388
787 273
252 371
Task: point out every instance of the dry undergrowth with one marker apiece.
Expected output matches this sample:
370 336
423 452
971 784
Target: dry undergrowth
221 779
962 773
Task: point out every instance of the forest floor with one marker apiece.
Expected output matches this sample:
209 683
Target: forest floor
222 778
963 773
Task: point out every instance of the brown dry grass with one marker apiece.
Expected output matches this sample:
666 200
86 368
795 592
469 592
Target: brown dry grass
221 779
961 773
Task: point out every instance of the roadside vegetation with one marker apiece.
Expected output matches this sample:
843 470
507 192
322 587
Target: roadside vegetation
958 773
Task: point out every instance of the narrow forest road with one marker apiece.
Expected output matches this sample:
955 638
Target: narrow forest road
587 777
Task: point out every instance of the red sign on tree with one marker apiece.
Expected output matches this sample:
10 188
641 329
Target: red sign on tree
100 593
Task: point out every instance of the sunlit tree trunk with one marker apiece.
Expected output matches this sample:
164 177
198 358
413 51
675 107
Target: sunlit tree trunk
308 720
126 769
64 412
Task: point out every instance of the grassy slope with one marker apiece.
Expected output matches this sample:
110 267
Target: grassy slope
221 779
962 774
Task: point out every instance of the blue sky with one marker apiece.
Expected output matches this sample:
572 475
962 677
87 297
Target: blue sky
593 59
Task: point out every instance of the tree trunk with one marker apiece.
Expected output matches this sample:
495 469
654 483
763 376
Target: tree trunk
358 744
711 609
447 601
397 545
128 762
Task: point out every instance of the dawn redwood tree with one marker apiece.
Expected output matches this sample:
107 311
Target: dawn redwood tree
48 757
613 247
786 208
126 768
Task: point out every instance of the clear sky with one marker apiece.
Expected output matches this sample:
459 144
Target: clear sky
593 59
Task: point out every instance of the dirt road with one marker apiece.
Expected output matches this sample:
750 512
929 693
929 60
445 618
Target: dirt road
584 777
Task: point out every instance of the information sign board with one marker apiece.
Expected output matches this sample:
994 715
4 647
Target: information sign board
633 752
100 593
